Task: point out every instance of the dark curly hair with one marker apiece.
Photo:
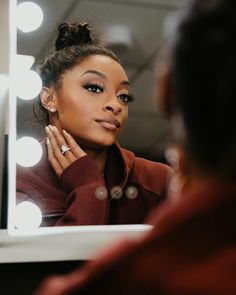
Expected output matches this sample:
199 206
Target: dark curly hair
203 83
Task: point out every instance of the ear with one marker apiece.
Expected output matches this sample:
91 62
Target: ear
48 99
164 98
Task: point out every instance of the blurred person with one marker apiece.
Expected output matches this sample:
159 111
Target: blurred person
192 247
84 176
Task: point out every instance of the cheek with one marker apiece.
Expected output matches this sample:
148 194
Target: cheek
124 118
126 115
76 107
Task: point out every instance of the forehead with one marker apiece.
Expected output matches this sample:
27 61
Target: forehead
103 64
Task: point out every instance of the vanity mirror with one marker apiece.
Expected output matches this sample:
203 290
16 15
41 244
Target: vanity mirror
134 31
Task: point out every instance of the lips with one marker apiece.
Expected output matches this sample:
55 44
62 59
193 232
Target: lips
110 124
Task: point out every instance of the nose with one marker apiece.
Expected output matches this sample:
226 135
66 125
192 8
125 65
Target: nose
113 106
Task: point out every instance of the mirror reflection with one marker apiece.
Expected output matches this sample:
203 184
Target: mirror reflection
92 139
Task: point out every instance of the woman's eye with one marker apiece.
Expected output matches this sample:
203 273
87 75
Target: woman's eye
93 88
126 98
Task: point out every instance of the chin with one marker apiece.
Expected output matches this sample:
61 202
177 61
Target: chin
103 144
97 144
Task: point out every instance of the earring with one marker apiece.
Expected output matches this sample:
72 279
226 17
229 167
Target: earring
52 109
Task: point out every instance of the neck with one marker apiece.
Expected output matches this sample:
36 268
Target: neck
99 156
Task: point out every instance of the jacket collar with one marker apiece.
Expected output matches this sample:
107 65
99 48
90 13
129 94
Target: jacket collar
127 156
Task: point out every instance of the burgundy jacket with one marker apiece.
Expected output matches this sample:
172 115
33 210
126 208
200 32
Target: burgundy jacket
133 187
190 251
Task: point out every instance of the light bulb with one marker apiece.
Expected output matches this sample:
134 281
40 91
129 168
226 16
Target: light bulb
27 216
28 85
29 16
28 151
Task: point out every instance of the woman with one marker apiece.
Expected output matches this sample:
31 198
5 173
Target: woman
192 247
85 177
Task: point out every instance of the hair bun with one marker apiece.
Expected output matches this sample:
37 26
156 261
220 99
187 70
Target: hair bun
71 34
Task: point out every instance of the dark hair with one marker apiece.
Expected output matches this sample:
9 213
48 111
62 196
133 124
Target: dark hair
74 43
204 83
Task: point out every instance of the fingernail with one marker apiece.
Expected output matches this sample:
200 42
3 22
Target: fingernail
48 141
65 133
50 127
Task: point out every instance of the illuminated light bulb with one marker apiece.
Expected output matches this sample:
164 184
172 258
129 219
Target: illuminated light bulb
29 16
28 85
23 62
27 216
28 151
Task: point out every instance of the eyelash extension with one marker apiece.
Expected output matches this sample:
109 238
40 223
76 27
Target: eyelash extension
87 86
130 97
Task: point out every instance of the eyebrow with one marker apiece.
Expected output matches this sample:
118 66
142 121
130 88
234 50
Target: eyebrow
103 76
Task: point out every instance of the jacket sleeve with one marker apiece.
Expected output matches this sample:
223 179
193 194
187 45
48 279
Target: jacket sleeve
81 180
74 198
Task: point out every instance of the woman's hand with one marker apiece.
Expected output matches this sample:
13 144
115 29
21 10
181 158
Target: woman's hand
63 150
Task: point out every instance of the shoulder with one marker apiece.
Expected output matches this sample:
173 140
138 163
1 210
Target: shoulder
149 165
154 176
150 175
141 166
152 169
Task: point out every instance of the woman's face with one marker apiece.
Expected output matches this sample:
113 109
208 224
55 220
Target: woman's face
92 102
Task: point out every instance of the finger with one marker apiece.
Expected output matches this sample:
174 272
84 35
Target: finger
76 149
55 164
59 139
62 142
56 150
